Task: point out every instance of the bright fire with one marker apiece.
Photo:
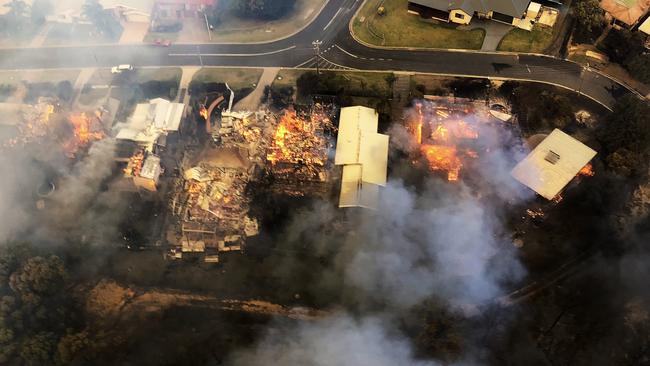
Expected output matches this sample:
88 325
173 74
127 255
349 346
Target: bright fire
83 133
298 141
587 171
204 112
438 136
445 158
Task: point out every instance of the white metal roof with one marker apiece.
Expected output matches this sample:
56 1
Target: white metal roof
364 155
355 192
353 120
553 164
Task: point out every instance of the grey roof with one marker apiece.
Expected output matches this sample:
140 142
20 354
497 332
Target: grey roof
514 8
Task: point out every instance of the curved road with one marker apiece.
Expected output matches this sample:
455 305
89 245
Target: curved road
339 50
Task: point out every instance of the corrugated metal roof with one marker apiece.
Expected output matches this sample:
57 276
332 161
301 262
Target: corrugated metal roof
553 164
514 8
364 155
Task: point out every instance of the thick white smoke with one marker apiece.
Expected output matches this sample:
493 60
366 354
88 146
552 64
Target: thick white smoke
438 243
446 241
336 341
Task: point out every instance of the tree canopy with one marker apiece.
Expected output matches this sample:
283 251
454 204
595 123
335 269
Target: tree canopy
263 9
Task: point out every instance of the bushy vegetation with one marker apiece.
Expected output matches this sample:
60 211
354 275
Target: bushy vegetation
590 20
626 137
263 9
626 48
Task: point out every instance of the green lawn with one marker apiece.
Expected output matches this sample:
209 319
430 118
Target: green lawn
62 34
38 76
355 82
237 78
143 75
235 29
519 40
399 28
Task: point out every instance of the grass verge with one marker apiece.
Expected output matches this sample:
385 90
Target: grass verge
237 78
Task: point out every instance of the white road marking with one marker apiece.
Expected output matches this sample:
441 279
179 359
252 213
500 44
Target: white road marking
304 63
335 15
346 52
234 54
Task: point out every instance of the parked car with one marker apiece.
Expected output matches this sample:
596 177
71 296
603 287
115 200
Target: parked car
121 68
162 42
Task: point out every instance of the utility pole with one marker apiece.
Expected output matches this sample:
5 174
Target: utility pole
582 77
316 45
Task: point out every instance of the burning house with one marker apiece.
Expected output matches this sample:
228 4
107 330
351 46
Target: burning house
144 170
553 164
151 122
298 155
446 131
46 120
363 153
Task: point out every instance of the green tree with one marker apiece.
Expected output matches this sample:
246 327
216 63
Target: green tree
38 349
104 22
263 9
625 136
12 256
589 15
72 345
41 9
639 67
17 8
39 276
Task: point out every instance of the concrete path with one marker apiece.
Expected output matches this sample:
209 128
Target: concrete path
40 37
186 79
494 32
253 100
82 79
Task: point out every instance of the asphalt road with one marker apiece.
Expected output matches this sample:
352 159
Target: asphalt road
339 51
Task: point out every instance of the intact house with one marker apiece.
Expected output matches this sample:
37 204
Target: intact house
518 13
632 14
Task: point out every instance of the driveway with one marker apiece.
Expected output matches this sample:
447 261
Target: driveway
253 100
134 32
494 32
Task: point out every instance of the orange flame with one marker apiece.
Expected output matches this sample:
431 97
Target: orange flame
445 158
587 171
83 133
296 141
204 112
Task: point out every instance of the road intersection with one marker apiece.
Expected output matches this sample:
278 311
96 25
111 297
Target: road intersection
339 50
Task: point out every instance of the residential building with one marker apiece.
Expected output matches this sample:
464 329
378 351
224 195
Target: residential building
363 153
150 121
178 9
553 164
518 13
625 14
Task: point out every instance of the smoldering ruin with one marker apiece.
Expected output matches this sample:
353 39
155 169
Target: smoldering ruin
413 254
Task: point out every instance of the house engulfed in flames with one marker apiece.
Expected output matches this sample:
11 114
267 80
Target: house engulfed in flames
74 131
298 154
442 131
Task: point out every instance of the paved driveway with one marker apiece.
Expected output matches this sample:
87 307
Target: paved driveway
494 32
